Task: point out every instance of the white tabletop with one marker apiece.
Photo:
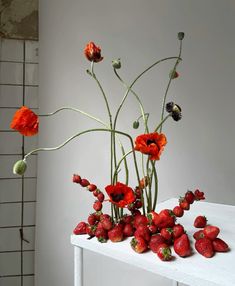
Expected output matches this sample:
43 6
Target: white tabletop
194 270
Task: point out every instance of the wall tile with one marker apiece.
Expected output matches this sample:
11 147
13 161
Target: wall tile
11 96
28 264
9 264
10 215
11 50
31 51
31 96
9 239
6 116
11 73
31 74
29 234
10 143
10 190
10 281
7 163
30 186
29 213
28 281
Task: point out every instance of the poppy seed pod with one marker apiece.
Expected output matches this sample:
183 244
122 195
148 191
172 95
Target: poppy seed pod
116 64
20 167
136 124
180 36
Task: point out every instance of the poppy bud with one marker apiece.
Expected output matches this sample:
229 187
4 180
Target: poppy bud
169 106
20 167
136 124
173 74
176 112
116 64
180 36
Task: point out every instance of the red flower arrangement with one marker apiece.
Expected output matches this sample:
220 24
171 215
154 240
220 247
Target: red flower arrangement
151 230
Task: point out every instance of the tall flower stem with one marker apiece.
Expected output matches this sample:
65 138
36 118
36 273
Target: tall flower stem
156 186
76 110
169 82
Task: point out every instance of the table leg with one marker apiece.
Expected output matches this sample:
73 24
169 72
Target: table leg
78 266
175 283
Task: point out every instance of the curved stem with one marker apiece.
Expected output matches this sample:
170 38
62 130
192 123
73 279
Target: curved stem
169 82
88 131
125 164
161 123
76 110
119 163
156 186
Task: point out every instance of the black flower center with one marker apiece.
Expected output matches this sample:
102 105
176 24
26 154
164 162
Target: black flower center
150 141
117 197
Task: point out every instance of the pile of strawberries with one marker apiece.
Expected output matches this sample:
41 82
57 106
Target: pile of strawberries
155 231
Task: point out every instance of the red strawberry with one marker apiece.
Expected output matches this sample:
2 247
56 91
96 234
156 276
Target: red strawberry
101 234
91 187
80 228
96 192
98 215
200 221
116 234
189 197
106 223
153 217
198 234
164 252
184 204
166 233
152 228
127 219
199 195
155 241
177 230
128 230
90 230
140 219
103 216
100 197
84 182
138 204
138 193
97 206
91 219
178 211
135 212
138 244
167 219
76 179
204 247
211 231
182 246
143 231
219 245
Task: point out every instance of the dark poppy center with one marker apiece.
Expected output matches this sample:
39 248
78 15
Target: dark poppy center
117 197
149 141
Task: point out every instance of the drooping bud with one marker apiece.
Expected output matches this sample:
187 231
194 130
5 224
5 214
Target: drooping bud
20 167
176 112
169 106
136 124
173 74
180 36
116 64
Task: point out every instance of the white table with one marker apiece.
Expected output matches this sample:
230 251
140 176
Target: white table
194 270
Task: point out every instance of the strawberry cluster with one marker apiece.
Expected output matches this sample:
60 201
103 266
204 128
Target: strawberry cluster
206 240
155 231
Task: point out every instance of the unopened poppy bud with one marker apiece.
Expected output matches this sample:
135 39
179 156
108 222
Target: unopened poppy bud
169 106
180 36
20 167
176 112
173 74
116 64
136 124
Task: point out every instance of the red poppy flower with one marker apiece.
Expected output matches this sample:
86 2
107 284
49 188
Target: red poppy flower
25 121
151 144
93 52
120 194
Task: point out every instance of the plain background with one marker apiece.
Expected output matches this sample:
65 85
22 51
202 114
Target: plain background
200 151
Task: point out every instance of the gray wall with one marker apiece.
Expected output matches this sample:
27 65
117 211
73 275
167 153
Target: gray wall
200 149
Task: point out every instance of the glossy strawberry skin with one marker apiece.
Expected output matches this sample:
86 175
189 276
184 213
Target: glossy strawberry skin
80 228
178 211
166 233
138 244
220 245
116 234
91 219
211 231
189 197
184 205
182 246
84 182
97 206
177 231
106 223
140 219
164 252
128 230
155 241
198 234
204 247
166 219
200 221
143 231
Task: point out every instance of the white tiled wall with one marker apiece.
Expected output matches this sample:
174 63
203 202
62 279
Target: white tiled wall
18 86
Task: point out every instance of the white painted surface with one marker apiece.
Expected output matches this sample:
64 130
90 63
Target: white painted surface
200 150
194 270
